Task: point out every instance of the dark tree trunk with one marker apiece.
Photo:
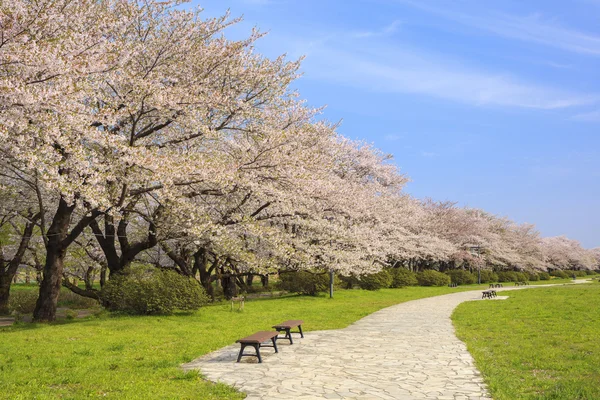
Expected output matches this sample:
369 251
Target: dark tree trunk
45 308
59 239
229 286
107 239
249 280
4 294
264 279
8 270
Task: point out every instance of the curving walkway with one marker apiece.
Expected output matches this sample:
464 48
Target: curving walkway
407 351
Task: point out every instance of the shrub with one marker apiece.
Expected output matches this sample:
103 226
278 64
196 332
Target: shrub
379 280
22 301
590 272
521 276
402 277
533 276
576 273
544 276
559 274
304 282
152 291
488 275
508 276
433 278
461 277
348 282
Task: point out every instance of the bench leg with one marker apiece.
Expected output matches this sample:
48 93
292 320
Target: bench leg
300 329
288 334
274 340
257 348
241 352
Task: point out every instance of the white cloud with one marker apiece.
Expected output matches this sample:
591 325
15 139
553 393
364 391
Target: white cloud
533 28
592 116
385 31
384 68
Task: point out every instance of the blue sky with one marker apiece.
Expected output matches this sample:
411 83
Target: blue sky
494 105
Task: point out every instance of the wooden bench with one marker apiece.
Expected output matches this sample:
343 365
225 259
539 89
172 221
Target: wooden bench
495 285
488 294
287 327
257 341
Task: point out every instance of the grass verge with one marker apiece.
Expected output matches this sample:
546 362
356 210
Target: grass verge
538 344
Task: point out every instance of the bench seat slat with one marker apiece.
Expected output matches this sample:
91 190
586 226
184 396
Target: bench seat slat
292 323
259 337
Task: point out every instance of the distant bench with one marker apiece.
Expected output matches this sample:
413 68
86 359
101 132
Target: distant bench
495 285
488 294
287 327
521 283
257 341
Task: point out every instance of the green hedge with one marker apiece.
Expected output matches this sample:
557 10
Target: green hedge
152 291
402 277
488 275
512 276
304 282
433 278
380 280
461 277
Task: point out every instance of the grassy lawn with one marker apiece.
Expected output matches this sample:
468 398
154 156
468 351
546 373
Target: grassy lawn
139 357
538 344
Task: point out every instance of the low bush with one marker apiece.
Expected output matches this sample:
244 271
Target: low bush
380 280
522 276
22 301
512 276
461 277
152 291
577 273
506 276
590 272
347 282
402 277
544 276
533 276
488 275
559 274
304 282
433 278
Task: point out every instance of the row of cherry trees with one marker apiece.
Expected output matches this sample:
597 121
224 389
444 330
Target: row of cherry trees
137 131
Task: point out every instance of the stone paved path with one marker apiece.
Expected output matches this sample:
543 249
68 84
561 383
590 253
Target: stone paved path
407 351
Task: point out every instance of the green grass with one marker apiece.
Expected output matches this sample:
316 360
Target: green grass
538 344
139 357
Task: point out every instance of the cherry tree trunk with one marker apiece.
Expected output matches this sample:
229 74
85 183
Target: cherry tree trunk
45 308
56 250
4 293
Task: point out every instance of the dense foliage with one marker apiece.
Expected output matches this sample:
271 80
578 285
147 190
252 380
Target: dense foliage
150 291
304 282
462 277
379 280
402 277
433 278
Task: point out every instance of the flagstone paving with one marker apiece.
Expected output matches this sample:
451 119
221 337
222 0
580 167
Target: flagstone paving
407 351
